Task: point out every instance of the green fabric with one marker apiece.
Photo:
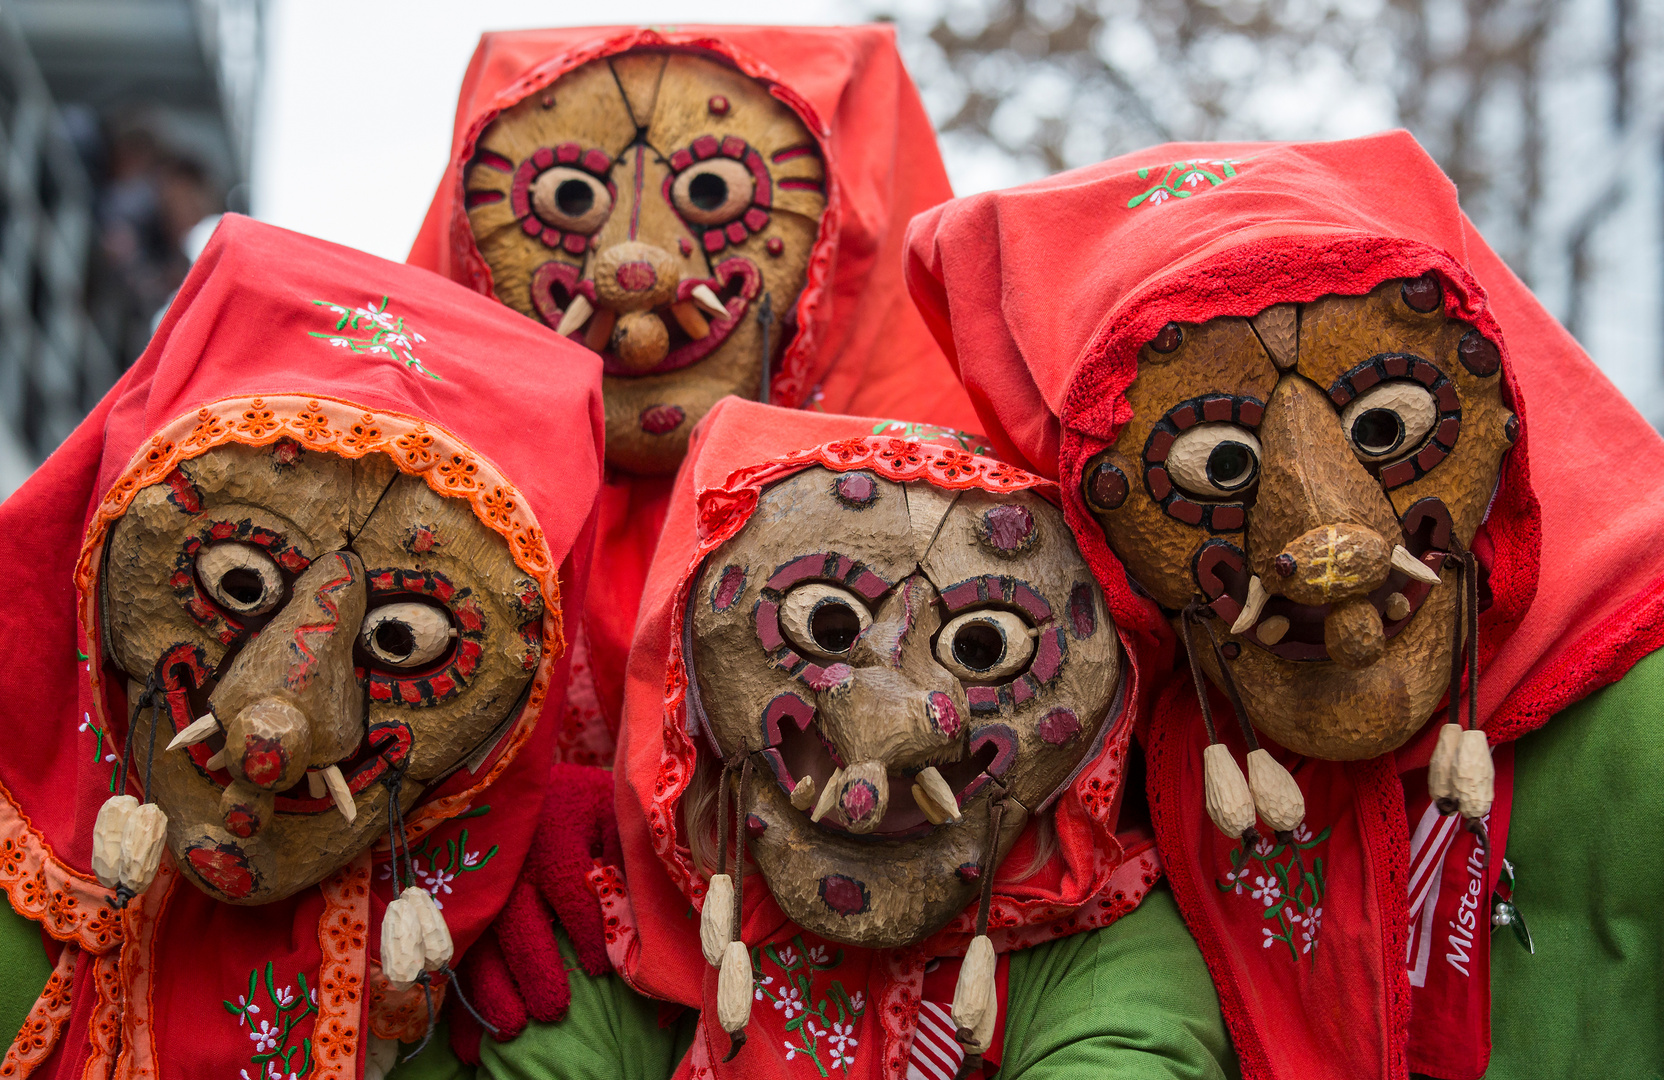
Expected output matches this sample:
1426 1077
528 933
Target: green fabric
610 1032
23 970
1132 1001
1585 844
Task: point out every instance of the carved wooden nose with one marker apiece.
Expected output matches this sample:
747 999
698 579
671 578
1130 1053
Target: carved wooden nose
635 277
1316 504
290 699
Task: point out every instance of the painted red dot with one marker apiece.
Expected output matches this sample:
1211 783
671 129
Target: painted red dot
686 245
1167 338
944 714
1059 726
224 868
775 246
1423 294
857 489
662 419
860 799
1008 528
718 105
729 588
755 826
636 276
843 894
969 873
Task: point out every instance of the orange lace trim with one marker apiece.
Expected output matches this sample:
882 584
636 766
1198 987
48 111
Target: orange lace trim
104 1032
343 939
401 1014
137 1059
45 1023
721 513
70 906
332 426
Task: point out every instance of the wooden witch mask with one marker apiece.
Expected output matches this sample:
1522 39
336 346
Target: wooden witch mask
888 656
311 634
661 207
1307 474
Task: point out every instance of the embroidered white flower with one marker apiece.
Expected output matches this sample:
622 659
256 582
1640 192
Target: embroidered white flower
264 1037
841 1058
1192 179
767 980
1269 938
790 1002
244 1007
1302 833
813 1028
470 858
793 1051
1264 847
1159 195
439 881
86 721
341 342
285 997
788 957
858 1002
844 1035
1265 888
1238 880
819 955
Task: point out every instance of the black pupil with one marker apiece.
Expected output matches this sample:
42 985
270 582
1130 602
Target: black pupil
834 625
1377 431
243 585
395 639
708 191
574 197
1229 464
978 645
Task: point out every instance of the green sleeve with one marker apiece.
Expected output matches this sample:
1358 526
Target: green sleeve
611 1033
1584 842
1132 1001
23 970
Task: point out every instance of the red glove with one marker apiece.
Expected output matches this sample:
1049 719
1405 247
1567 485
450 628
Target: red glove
514 972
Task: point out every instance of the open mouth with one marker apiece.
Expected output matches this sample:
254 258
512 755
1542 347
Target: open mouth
735 282
384 746
982 757
1294 631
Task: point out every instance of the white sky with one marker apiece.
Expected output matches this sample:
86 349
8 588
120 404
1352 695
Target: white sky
355 116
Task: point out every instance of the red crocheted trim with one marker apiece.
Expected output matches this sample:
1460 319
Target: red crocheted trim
44 1025
419 448
343 941
792 382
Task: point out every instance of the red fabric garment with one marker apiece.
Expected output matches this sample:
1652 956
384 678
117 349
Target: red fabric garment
1133 243
1095 877
860 347
251 351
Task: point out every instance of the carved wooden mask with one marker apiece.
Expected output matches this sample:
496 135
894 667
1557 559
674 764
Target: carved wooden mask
878 628
331 613
661 207
1300 448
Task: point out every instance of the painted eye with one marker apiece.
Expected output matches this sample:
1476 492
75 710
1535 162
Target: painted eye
713 192
240 578
571 200
406 634
822 619
1215 461
985 646
1388 421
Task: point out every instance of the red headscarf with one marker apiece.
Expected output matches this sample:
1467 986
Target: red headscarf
253 350
1094 878
860 347
1192 232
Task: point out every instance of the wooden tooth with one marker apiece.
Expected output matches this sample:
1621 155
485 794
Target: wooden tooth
340 792
1416 569
600 329
705 298
1398 607
828 797
687 314
939 792
199 729
216 761
803 795
927 805
1272 630
1257 596
577 313
315 785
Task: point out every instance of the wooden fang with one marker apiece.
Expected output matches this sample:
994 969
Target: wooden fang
199 729
338 791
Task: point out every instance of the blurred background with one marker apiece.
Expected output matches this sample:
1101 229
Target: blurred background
128 126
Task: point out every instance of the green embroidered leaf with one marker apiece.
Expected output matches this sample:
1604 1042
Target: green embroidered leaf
1143 174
